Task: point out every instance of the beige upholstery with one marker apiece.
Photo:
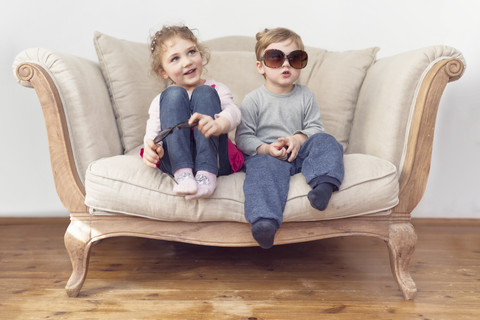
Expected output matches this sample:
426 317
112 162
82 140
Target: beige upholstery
382 111
132 188
123 184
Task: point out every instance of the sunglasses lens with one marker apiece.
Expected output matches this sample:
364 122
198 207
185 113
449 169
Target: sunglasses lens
183 125
273 58
298 59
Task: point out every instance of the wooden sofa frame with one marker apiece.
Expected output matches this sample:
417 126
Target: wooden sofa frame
395 229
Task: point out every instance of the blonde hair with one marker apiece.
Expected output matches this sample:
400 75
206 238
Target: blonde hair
158 48
269 36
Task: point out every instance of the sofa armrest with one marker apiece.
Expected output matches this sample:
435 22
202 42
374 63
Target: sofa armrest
415 163
78 114
396 113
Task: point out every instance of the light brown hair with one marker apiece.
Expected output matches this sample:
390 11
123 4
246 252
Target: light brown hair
269 36
157 44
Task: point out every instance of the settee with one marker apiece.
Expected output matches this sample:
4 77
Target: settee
381 110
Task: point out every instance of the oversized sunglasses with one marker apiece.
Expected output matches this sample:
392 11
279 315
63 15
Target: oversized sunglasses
274 58
164 133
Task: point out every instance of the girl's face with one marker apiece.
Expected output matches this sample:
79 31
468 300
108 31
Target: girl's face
280 80
182 63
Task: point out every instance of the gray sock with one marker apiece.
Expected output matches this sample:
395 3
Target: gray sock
320 195
263 232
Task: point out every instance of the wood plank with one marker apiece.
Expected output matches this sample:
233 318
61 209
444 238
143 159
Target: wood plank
340 278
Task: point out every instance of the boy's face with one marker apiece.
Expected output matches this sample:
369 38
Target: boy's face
280 80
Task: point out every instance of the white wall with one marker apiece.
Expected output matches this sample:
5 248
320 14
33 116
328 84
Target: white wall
26 184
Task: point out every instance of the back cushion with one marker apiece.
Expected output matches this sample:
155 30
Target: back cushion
126 68
334 77
235 69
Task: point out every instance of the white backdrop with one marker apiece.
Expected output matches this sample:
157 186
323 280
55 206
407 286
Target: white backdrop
453 190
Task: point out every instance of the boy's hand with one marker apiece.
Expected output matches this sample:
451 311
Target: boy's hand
152 153
275 149
293 143
209 126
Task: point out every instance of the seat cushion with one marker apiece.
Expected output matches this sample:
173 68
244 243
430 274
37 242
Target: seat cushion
124 185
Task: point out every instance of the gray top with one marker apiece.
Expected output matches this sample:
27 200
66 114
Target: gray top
267 116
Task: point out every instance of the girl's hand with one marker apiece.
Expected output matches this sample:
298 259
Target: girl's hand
293 143
209 126
152 153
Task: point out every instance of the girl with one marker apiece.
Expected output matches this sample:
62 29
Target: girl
194 157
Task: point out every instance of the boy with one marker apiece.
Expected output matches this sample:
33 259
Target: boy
281 134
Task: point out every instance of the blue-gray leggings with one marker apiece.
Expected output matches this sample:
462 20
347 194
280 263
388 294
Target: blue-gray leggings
267 179
184 149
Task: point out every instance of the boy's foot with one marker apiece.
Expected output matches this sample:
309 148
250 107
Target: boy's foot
263 232
186 183
320 195
206 185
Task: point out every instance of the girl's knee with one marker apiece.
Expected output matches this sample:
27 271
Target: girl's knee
174 99
206 97
175 91
205 100
204 90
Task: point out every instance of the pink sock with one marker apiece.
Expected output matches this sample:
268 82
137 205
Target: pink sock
186 183
206 184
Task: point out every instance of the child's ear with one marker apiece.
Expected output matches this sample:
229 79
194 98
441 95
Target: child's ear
260 67
162 73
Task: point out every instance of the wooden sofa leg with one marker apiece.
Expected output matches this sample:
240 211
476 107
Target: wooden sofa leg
401 244
78 244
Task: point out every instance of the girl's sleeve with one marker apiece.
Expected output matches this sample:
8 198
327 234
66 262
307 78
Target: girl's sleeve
229 108
153 122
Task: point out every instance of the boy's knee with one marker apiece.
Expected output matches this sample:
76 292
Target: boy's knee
259 159
266 163
327 140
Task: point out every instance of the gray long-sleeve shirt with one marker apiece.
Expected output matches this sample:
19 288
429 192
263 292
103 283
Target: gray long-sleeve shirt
267 116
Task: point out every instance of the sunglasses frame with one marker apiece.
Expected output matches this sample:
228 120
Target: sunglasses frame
164 133
285 57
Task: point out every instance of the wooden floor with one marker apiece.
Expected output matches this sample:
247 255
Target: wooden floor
342 278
